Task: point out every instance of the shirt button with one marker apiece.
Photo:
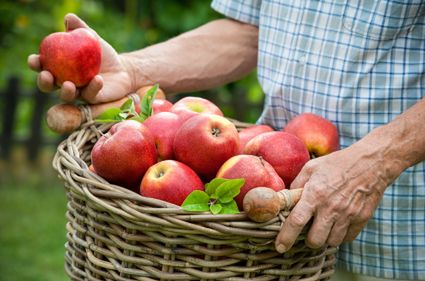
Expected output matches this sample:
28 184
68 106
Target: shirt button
302 59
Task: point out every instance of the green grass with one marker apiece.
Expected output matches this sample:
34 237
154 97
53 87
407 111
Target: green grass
32 232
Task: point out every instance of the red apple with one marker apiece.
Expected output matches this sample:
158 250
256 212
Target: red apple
190 106
164 126
123 155
170 181
256 172
205 142
71 56
249 133
318 134
161 105
285 152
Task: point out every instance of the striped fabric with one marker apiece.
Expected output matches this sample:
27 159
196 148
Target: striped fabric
358 64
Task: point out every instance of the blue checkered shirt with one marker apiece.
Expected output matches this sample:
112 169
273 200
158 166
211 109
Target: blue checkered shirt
358 64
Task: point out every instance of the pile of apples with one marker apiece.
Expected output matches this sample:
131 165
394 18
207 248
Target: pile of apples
184 145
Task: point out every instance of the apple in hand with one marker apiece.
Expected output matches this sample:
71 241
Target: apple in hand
254 170
170 181
318 134
71 56
249 133
190 106
123 155
285 152
163 127
205 142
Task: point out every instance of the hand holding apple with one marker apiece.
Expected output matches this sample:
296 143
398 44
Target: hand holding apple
112 83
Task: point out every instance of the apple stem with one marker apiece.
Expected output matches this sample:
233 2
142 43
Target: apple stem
215 132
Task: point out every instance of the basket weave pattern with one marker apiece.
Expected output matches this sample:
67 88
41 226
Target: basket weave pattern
115 234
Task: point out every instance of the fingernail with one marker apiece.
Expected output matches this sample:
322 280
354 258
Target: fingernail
281 248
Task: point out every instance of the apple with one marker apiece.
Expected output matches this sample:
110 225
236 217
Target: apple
318 134
163 127
190 106
254 170
205 142
285 152
123 155
170 181
71 56
161 105
249 133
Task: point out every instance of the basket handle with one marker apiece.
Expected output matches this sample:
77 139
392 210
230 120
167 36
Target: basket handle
65 118
262 204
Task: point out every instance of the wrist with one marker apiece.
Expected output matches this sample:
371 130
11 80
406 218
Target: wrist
382 149
133 66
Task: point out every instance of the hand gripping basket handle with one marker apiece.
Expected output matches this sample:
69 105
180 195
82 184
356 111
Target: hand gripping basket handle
65 118
262 204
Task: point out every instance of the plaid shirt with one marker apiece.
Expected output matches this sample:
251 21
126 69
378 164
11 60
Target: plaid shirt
358 64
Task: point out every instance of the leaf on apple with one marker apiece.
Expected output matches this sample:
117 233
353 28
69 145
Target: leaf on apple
128 109
216 208
146 108
218 197
229 190
211 187
197 201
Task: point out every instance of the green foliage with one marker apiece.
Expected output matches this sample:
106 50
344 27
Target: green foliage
127 25
218 197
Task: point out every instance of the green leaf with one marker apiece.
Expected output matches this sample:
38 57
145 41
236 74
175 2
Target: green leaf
146 109
229 189
196 201
109 115
211 187
128 106
215 208
230 208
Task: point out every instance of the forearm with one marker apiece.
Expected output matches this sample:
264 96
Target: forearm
209 56
400 144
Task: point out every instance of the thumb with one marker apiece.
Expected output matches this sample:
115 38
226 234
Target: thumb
72 21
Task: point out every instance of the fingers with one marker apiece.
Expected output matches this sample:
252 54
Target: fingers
353 231
338 232
34 62
293 226
68 92
46 81
72 21
319 230
92 92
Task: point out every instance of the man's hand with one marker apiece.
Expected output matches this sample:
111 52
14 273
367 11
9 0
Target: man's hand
341 193
113 82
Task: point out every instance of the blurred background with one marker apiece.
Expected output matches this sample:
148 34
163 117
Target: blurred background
32 199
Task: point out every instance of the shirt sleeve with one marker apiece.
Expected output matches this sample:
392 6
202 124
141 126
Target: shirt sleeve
247 11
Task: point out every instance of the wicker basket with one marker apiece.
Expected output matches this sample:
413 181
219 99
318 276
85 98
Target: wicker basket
115 234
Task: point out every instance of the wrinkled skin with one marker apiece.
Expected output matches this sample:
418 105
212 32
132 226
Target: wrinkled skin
341 192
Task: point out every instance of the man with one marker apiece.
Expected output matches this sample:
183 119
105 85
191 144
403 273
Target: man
359 65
